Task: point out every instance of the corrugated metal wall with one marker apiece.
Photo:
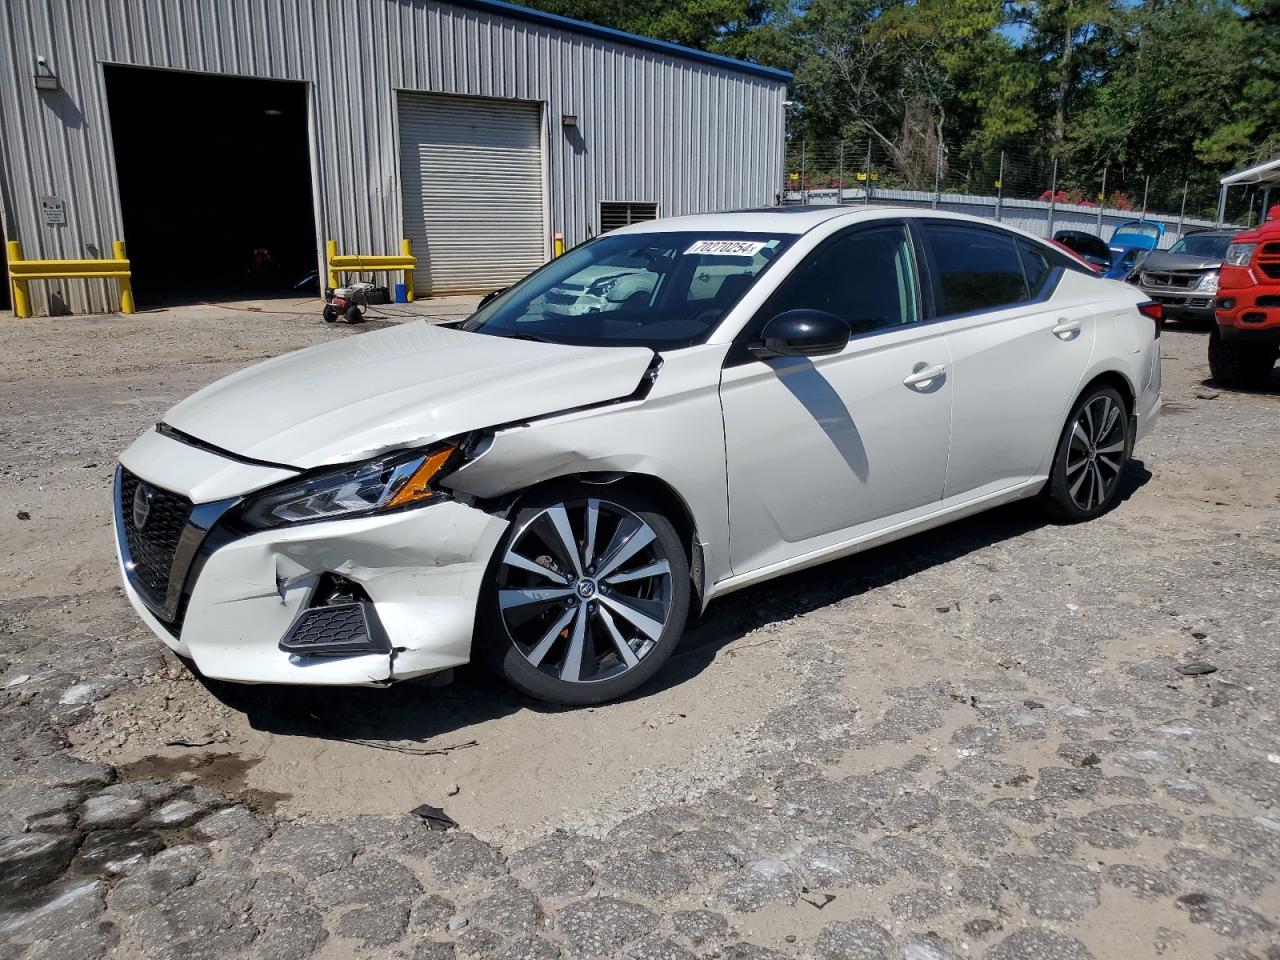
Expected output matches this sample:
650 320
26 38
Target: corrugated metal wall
691 136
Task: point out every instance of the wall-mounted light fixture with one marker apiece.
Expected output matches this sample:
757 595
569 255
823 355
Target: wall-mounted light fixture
569 119
46 79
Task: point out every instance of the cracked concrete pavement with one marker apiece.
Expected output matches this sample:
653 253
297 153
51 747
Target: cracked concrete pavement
1001 739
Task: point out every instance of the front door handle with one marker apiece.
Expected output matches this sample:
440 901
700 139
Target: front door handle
920 377
1066 329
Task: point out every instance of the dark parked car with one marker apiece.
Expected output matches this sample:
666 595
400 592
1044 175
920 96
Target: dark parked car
1184 278
1093 250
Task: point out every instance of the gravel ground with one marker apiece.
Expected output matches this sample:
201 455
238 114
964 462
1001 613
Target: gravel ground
1002 739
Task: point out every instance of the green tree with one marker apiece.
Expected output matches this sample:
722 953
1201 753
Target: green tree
1249 129
889 70
1174 89
1065 41
1165 105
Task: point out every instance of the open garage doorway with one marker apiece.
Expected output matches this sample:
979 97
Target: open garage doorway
215 184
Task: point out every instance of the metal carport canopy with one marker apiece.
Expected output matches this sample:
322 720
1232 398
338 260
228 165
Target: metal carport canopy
1265 174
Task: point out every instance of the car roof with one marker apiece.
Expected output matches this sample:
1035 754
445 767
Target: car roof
798 220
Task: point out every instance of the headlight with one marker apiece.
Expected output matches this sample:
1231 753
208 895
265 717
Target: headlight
603 287
1239 254
385 483
1208 283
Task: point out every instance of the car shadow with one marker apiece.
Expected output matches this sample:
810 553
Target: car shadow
1270 388
1202 327
407 716
736 615
821 401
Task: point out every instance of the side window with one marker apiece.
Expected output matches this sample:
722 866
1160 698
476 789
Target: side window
977 269
1037 266
866 277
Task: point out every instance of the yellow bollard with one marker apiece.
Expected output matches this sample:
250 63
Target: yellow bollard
557 245
126 282
408 271
21 300
331 251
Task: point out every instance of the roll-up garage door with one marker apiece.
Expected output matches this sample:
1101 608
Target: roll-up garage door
471 173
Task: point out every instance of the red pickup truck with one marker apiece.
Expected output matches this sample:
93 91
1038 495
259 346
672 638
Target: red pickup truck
1245 342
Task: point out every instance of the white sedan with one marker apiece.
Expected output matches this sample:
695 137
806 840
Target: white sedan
556 493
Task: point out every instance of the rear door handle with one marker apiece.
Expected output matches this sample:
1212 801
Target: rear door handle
919 377
1066 329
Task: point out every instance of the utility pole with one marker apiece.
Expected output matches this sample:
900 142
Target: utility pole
1000 186
937 176
866 194
1053 193
1102 199
1182 214
1146 187
840 182
804 181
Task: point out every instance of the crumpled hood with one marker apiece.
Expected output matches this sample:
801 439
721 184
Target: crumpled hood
1159 260
401 387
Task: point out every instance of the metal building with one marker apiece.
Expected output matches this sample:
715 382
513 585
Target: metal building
219 138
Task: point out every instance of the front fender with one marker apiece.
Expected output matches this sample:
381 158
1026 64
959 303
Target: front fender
675 434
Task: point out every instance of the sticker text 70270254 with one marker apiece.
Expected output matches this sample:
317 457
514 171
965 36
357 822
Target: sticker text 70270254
727 248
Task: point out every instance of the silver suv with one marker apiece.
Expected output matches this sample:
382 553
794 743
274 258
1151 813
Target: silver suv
1184 278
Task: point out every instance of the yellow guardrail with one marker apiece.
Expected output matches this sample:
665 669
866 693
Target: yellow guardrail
22 272
368 263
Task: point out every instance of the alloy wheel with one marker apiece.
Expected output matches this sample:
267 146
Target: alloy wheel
1095 454
584 590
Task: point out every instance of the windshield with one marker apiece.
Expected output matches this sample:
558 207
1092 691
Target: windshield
659 290
1136 233
1209 248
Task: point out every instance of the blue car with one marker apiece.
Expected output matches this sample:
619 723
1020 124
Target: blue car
1129 242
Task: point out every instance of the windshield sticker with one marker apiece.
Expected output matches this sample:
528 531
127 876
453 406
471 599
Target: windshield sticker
728 248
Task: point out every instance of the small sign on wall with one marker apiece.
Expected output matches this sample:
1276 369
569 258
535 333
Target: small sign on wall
53 211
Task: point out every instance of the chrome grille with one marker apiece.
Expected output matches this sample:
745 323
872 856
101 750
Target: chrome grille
1180 281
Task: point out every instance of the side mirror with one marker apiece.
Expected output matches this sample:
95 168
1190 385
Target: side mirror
490 297
802 333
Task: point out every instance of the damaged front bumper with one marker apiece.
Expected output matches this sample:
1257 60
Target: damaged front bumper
421 571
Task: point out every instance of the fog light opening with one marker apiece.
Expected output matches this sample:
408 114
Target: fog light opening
339 621
334 588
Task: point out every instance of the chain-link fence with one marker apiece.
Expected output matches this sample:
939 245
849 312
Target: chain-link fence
1025 187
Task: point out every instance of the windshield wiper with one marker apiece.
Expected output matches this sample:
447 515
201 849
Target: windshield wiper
527 336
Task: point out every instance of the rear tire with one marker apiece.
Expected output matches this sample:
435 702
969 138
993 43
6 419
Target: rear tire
353 314
330 315
1242 364
566 621
1092 452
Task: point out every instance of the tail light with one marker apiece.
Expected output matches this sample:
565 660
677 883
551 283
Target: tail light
1155 311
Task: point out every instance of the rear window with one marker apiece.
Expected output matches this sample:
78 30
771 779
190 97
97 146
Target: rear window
976 269
1143 235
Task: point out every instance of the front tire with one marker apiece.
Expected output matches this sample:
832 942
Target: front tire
1095 446
586 596
1240 363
